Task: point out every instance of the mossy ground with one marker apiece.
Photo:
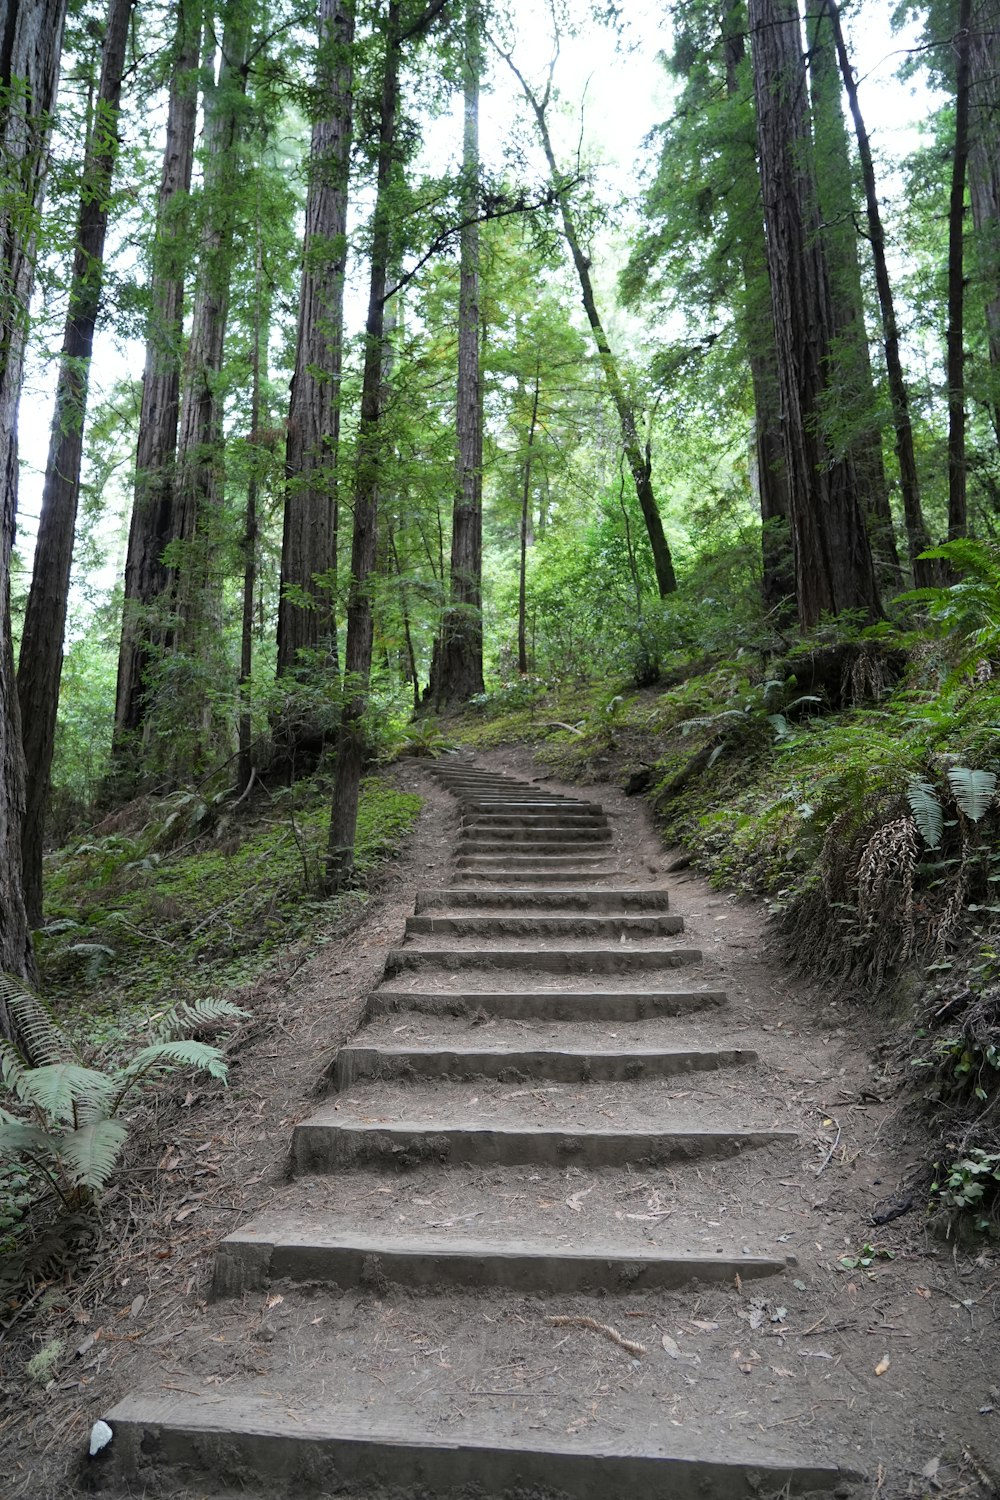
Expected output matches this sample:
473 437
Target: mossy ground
188 897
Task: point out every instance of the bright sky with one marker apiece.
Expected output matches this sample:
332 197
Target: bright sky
623 92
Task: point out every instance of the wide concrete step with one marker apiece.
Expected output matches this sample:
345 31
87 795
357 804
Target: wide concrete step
536 859
624 959
305 1247
575 830
570 924
592 847
513 807
568 1064
497 872
328 1143
548 1005
251 1439
616 901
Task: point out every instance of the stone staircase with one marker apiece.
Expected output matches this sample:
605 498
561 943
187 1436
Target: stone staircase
520 1060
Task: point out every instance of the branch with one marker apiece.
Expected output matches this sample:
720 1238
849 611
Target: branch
450 232
424 21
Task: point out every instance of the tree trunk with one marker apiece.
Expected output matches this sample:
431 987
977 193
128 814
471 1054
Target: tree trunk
833 562
958 523
261 324
984 174
30 47
358 653
638 458
925 574
40 661
522 575
152 527
195 581
309 544
457 668
856 404
778 578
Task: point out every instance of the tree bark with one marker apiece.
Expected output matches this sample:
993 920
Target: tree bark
195 582
261 324
925 574
857 402
984 174
958 523
30 48
152 527
833 562
309 544
358 653
522 572
41 655
457 667
778 578
638 458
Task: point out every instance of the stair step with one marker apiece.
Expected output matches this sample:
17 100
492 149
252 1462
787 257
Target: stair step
537 859
614 900
570 924
624 959
286 1246
328 1143
571 1064
591 847
241 1438
497 872
548 1005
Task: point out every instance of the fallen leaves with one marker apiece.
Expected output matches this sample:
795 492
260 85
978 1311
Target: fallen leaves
675 1352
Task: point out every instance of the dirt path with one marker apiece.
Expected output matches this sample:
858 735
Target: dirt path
552 1287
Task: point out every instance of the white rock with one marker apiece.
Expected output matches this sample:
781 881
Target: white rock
100 1436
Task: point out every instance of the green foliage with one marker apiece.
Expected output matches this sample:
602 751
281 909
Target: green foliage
195 895
65 1130
970 1184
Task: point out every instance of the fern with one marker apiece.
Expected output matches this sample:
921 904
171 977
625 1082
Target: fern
187 1016
67 1136
42 1038
927 811
91 1153
973 791
59 1089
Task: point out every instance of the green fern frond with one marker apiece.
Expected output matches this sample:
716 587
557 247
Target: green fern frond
166 1056
90 1154
927 811
973 791
192 1015
19 1140
60 1089
43 1040
11 1065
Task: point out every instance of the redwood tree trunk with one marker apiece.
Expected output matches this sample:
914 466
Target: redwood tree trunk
41 656
778 579
30 48
309 544
958 523
917 541
358 653
152 527
984 173
833 562
457 668
856 403
195 582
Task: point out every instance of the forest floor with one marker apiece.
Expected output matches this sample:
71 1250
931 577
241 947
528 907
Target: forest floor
877 1350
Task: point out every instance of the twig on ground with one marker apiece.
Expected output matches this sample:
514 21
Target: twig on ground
564 1320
